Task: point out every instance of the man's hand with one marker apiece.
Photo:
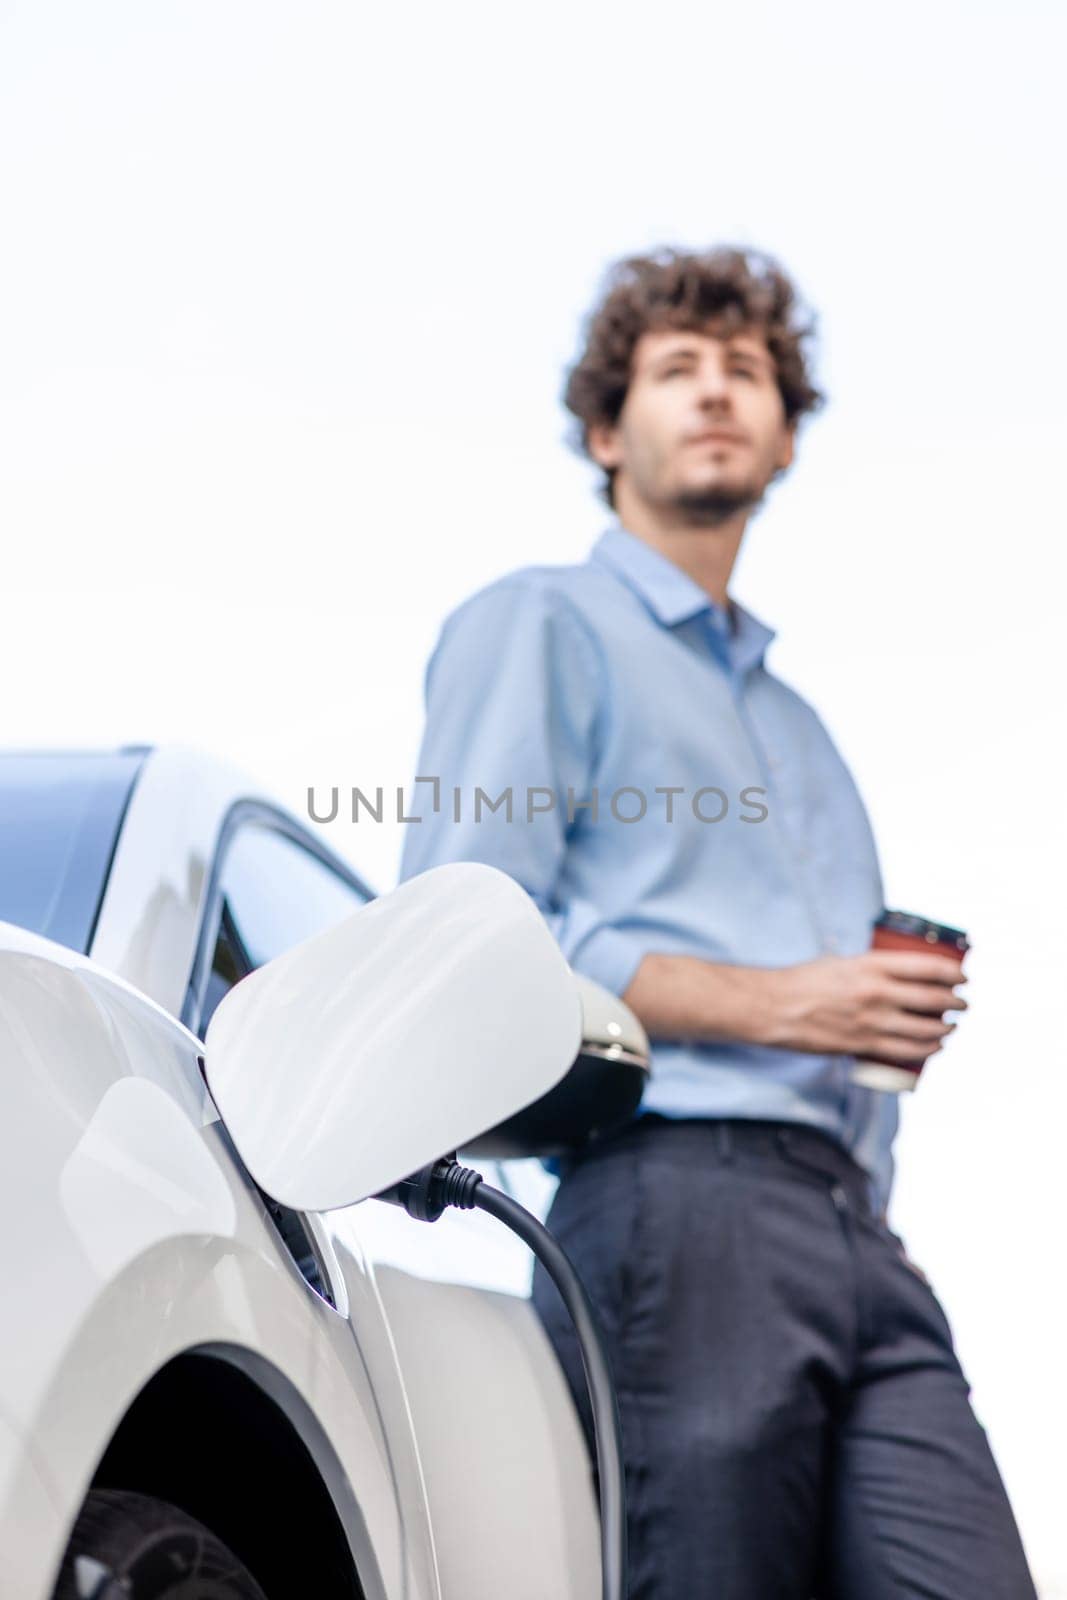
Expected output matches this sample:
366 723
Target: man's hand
884 1002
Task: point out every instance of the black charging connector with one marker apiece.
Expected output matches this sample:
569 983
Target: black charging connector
426 1195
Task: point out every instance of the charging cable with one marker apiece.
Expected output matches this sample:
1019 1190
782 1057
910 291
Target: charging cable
426 1195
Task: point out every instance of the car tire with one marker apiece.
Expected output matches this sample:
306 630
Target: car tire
129 1546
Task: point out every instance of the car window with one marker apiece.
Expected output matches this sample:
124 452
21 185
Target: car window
60 815
275 894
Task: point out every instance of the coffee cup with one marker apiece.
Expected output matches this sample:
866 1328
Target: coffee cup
905 930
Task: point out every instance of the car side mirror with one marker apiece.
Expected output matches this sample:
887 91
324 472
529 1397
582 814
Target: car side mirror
601 1090
397 1036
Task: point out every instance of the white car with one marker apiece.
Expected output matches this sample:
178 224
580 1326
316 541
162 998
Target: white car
206 1395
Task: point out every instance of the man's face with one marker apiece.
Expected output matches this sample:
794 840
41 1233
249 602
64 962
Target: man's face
702 430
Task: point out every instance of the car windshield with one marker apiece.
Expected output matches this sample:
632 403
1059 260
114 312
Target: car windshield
60 814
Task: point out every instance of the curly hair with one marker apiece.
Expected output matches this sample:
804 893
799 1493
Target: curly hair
720 291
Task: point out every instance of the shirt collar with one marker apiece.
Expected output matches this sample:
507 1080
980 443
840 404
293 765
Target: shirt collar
673 596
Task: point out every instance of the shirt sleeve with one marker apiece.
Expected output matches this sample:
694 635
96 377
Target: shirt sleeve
515 700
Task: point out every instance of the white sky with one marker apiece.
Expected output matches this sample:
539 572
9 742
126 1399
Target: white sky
287 295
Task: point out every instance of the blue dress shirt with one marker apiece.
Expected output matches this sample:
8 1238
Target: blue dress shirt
605 685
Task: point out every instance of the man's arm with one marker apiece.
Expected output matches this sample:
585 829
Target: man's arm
884 1002
514 696
514 700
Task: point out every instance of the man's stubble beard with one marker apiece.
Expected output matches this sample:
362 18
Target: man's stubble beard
717 504
709 508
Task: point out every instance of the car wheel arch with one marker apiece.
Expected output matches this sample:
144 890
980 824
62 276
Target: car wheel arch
219 1414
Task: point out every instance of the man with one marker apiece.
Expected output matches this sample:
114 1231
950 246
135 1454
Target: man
795 1419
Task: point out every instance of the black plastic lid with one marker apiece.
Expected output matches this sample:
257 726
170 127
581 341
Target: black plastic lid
922 928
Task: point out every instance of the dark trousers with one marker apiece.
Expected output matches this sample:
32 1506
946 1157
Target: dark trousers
796 1424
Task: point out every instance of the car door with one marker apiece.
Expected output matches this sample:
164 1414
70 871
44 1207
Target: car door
272 885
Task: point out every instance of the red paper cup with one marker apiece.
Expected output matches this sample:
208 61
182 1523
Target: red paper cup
904 930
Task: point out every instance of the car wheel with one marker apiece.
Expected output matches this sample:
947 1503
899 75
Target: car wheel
131 1547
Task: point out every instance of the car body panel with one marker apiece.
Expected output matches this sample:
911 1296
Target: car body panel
508 1478
129 1198
33 1524
133 1235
